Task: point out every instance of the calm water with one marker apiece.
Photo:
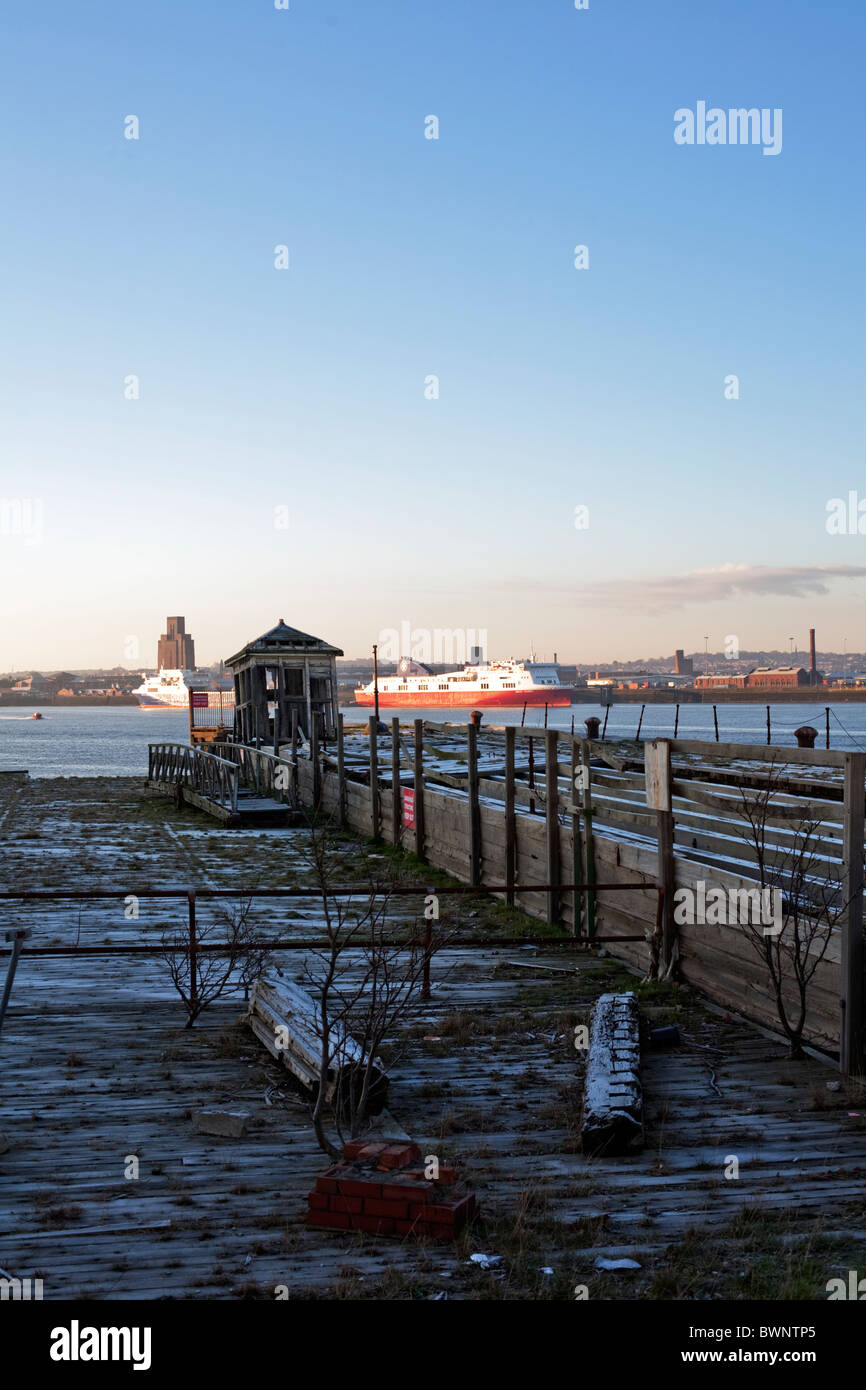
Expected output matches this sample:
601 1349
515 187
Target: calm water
113 742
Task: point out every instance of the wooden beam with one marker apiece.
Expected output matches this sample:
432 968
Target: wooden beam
317 766
474 807
759 752
510 819
851 1050
612 1121
341 766
551 806
395 780
419 788
577 850
658 794
373 730
589 847
295 756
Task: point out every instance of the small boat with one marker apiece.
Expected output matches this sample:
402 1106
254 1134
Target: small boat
37 715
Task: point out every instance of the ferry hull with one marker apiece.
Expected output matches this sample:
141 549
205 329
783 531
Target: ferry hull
556 697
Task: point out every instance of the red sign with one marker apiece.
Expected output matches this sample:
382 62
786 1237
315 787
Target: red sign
199 699
408 809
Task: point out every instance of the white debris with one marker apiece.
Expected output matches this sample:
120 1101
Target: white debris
603 1263
485 1261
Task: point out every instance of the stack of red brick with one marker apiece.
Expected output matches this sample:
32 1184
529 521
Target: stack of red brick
376 1188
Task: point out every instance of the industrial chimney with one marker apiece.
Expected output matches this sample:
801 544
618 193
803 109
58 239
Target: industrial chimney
813 664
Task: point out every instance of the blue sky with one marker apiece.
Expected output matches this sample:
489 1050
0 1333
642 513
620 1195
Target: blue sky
304 388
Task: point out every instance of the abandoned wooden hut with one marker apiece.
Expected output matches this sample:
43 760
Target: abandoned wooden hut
282 672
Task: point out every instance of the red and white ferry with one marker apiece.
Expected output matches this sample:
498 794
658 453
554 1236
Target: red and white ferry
497 683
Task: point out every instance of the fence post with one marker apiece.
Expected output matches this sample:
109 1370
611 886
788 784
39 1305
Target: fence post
659 799
193 953
395 779
295 756
373 727
510 818
551 809
576 850
419 788
851 963
314 758
474 807
589 846
341 773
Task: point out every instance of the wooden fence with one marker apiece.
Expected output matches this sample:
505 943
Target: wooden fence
521 806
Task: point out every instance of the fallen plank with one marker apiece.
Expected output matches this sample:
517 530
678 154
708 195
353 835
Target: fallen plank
612 1120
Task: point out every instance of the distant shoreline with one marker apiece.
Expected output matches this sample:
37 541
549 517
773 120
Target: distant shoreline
75 701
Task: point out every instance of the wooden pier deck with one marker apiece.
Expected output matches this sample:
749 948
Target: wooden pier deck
97 1067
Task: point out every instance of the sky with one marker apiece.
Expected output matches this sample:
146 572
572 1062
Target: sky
402 426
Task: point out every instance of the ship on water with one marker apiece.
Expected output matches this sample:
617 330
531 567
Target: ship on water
499 683
170 690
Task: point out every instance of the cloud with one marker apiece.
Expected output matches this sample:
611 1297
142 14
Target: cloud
727 582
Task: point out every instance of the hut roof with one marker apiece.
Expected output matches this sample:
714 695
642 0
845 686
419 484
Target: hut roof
284 639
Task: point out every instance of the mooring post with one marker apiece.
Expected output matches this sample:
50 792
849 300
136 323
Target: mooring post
676 720
551 807
639 722
604 730
851 1051
395 779
768 724
716 721
827 726
193 952
373 728
418 780
510 818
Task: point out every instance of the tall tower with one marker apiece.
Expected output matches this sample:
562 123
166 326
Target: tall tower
176 650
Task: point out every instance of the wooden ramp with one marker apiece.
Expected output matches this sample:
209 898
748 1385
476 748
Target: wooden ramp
220 787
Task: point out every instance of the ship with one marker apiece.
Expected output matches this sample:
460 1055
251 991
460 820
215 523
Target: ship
502 683
170 690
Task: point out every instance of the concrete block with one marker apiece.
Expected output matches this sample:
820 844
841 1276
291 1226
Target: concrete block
227 1124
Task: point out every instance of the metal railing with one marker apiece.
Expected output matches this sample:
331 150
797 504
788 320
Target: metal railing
208 775
266 774
195 947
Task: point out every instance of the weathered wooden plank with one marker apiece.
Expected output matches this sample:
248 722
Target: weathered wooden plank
612 1119
851 1059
